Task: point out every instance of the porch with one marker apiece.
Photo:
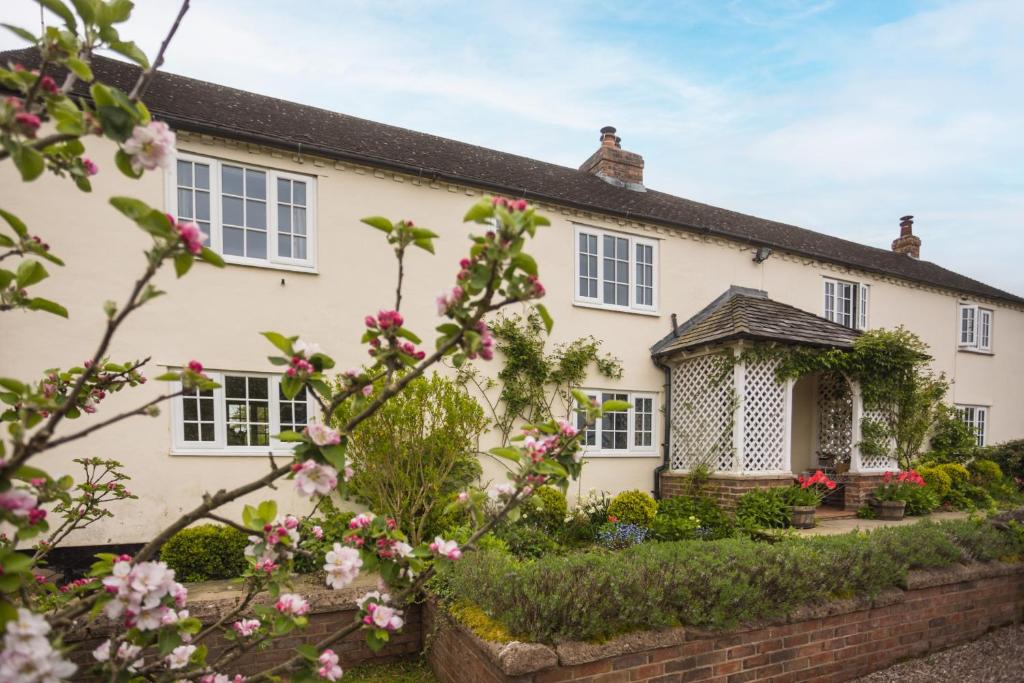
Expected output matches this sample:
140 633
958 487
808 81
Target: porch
730 415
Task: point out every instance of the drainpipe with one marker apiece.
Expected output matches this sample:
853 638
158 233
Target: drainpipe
667 419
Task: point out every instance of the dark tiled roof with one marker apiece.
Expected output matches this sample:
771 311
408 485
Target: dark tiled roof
210 108
742 313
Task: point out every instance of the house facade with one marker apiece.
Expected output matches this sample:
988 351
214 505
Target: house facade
281 188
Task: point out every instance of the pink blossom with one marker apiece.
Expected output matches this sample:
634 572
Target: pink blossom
195 366
342 566
322 435
388 319
446 300
443 548
18 502
567 429
536 288
178 659
463 496
27 124
48 85
305 348
329 668
349 473
266 565
362 520
246 627
90 167
382 616
371 322
314 478
191 235
292 604
318 533
151 146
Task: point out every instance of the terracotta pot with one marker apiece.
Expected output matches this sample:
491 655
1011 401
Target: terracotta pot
803 516
889 510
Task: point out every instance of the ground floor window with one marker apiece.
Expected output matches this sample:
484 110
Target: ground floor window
621 433
243 415
975 417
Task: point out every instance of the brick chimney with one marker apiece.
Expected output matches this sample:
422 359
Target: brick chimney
907 243
615 165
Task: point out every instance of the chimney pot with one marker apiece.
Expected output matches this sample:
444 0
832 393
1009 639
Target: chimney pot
615 165
907 243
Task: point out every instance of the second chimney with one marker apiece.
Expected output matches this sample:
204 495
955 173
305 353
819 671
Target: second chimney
907 243
615 165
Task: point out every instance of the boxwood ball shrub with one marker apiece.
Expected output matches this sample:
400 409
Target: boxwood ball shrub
206 552
546 509
633 507
937 480
709 584
984 472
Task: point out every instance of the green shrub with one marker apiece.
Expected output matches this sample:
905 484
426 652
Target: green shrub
633 507
764 509
526 541
545 509
334 525
414 452
937 480
1009 456
578 529
953 440
206 552
920 500
984 472
958 474
708 584
675 528
714 521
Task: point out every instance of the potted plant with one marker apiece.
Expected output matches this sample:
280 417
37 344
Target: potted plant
805 496
890 498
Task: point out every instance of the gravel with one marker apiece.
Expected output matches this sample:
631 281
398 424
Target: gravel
993 658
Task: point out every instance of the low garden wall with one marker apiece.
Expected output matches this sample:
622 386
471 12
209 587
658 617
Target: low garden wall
834 641
726 489
330 610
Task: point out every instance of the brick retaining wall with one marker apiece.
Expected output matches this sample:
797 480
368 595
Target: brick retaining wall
329 611
726 489
837 641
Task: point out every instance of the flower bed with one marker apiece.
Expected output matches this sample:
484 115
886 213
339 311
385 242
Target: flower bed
832 640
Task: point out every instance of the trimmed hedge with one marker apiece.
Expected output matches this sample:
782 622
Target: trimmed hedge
708 584
206 552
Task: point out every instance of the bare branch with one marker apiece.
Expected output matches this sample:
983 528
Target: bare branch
146 77
141 410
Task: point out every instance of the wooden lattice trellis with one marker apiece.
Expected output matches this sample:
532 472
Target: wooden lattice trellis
764 417
880 462
702 415
835 419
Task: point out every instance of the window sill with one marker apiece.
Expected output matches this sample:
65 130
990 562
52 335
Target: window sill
269 265
977 352
620 454
207 452
615 309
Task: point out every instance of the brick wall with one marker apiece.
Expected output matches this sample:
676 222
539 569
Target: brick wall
858 488
838 641
330 611
725 489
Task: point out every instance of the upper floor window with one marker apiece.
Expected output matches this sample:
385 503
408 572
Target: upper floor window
975 327
975 417
846 303
615 271
250 215
242 416
620 433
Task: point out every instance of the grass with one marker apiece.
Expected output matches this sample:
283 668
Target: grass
414 670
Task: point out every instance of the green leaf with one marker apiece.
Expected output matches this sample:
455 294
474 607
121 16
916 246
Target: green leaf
21 33
117 123
131 51
12 384
335 455
525 262
290 386
86 9
402 332
130 207
61 10
79 68
425 244
479 212
380 223
615 406
182 262
15 562
213 258
506 452
16 223
41 304
29 273
267 511
29 162
167 641
283 343
308 651
542 311
123 161
288 436
6 241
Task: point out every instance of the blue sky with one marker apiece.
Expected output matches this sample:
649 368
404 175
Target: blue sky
838 116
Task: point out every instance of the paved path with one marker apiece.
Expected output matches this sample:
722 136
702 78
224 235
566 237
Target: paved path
994 658
843 525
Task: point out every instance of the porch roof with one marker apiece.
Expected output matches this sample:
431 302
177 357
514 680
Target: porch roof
743 313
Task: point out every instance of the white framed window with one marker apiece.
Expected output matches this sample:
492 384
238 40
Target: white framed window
846 303
615 270
975 417
241 417
250 215
621 433
975 328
